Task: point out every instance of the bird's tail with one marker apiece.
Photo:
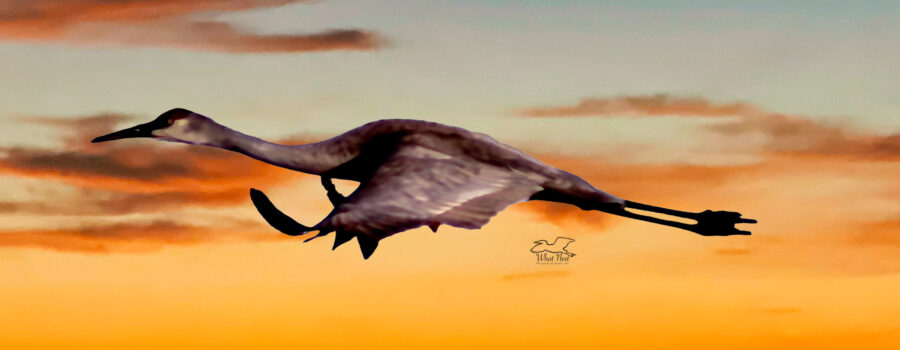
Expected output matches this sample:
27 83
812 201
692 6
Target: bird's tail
281 222
367 244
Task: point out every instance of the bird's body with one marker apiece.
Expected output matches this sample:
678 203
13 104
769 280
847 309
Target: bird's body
395 143
411 173
414 173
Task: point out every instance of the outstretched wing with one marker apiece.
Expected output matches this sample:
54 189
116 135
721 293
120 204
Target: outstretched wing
418 186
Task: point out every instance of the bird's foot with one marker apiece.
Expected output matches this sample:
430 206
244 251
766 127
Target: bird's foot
275 217
321 233
335 197
719 223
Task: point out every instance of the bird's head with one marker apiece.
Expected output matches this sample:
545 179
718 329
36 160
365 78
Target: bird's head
544 241
176 125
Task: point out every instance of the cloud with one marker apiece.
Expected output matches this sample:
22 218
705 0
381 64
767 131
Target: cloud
640 106
733 251
669 185
884 233
793 135
103 202
657 180
131 177
803 136
816 186
809 209
534 275
148 168
782 310
131 237
79 128
562 214
113 179
149 176
163 23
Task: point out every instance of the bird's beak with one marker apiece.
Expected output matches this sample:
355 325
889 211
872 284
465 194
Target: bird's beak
143 130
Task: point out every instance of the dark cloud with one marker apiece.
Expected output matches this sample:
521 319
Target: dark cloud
162 23
131 237
89 166
76 130
138 177
669 185
131 177
794 135
102 202
802 136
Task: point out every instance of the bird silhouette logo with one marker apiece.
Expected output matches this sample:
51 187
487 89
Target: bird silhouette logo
558 247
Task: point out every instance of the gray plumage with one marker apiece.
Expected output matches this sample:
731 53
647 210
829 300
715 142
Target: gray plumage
411 173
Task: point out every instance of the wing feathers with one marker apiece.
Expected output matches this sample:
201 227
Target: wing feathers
415 188
367 245
341 237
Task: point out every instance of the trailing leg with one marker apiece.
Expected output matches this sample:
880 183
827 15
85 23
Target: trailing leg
334 196
709 223
275 217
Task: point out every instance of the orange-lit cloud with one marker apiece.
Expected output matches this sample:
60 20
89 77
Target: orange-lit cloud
141 167
807 207
131 237
640 106
162 23
115 179
560 214
879 233
733 251
796 135
104 202
637 181
671 185
535 275
145 177
782 310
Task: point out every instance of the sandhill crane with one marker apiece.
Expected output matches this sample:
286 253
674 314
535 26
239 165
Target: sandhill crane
413 173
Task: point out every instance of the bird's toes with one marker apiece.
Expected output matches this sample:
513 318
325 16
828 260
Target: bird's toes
320 234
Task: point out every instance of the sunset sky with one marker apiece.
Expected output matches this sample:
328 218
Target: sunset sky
787 111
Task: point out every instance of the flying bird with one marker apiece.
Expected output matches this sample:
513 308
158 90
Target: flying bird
413 173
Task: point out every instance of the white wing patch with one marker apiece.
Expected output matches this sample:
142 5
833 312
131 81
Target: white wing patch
466 196
419 186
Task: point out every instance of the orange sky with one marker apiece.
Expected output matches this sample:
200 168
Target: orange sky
820 270
140 244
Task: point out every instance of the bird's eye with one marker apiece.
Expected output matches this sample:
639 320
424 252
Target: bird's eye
171 121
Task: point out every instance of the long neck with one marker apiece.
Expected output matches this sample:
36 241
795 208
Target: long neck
312 158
